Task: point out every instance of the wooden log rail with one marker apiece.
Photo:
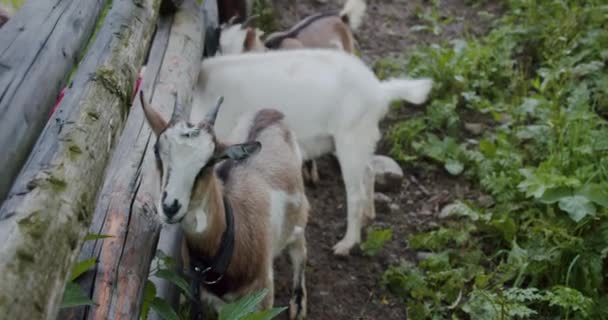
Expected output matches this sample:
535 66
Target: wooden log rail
39 46
49 208
126 205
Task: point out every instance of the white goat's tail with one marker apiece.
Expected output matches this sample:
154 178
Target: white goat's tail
415 91
353 12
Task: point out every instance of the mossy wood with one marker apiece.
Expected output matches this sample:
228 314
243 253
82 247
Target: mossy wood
49 208
92 248
39 46
126 206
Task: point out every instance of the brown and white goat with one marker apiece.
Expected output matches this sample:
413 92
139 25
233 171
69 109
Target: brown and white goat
252 191
331 30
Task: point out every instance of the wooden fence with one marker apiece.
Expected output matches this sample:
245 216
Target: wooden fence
89 168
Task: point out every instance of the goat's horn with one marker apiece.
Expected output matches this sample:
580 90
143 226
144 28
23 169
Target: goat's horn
178 110
212 114
232 20
249 20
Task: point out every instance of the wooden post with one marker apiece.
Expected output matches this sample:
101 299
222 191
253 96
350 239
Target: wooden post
126 206
49 208
125 156
40 45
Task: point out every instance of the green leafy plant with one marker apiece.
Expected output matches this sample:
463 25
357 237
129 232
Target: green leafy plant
538 89
247 308
73 295
376 238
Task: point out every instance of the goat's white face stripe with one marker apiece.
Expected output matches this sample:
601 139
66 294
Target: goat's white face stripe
184 151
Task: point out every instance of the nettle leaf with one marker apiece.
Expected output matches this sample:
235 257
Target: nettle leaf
577 207
555 194
598 193
376 238
92 236
531 185
243 306
454 167
163 309
149 295
176 279
459 208
569 299
73 296
82 267
265 315
488 148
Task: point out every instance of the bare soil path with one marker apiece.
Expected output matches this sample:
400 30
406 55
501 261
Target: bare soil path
350 288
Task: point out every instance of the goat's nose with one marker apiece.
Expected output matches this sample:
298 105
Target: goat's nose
171 209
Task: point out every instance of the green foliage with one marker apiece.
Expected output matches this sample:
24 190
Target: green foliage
247 307
74 296
376 238
266 19
165 267
540 87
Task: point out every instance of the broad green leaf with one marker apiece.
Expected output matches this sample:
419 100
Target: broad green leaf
577 207
91 236
376 238
149 295
243 306
454 167
176 279
506 226
73 296
163 309
553 195
598 193
487 148
459 208
265 315
82 267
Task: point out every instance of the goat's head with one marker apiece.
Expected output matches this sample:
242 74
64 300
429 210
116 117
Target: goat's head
185 152
240 37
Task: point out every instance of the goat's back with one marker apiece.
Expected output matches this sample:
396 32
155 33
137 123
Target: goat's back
317 90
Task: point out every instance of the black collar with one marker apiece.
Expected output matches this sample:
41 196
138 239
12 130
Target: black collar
210 270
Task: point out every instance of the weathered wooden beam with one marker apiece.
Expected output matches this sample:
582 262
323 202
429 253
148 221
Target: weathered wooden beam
39 46
49 208
124 156
126 205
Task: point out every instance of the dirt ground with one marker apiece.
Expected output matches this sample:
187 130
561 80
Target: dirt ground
350 287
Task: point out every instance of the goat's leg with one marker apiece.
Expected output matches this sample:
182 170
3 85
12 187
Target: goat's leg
268 300
310 172
297 254
369 180
354 156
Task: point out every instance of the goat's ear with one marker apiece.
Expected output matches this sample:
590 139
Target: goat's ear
249 43
155 120
242 151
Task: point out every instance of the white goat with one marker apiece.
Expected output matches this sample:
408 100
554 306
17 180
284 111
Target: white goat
239 214
331 29
331 100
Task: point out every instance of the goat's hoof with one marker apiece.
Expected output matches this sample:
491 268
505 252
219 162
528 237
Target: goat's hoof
297 311
343 247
